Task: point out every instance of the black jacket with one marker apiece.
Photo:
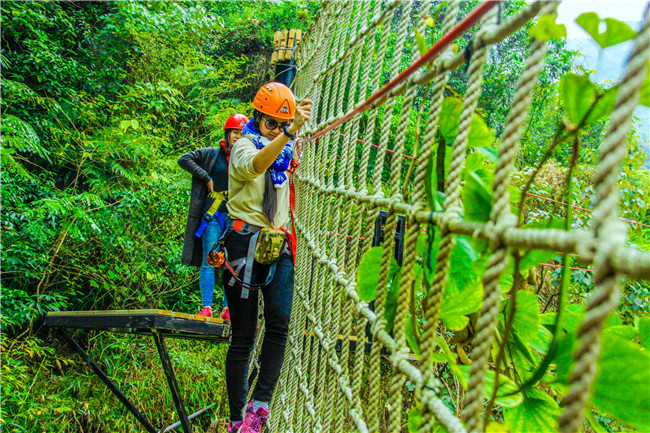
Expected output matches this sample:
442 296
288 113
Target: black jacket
205 164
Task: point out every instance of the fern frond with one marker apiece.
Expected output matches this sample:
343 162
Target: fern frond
18 134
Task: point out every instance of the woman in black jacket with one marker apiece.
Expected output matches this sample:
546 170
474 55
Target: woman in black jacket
209 169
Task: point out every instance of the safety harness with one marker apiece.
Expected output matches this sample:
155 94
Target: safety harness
265 247
247 262
218 198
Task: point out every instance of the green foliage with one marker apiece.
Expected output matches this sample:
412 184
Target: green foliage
615 30
537 413
98 101
413 421
368 273
457 304
46 390
506 387
18 135
620 389
451 362
526 317
583 103
479 134
643 328
546 28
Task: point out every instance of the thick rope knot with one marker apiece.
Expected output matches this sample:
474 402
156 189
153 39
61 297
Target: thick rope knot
449 217
588 248
433 385
341 190
500 227
392 202
378 325
488 227
446 56
614 233
415 209
360 307
402 354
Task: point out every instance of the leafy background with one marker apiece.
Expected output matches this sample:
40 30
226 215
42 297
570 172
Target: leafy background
100 98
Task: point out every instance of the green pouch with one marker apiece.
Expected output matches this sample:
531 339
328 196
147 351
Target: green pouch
269 245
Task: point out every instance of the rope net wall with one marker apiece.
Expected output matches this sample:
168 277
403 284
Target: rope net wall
340 190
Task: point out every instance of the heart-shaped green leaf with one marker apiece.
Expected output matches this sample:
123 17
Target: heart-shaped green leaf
368 273
616 31
537 413
506 386
578 94
526 320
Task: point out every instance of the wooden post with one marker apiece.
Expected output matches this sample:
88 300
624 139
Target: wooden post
277 38
283 57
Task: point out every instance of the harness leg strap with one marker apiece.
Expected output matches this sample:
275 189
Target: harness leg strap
248 270
236 265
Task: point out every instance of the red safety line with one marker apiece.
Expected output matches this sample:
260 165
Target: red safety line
447 39
560 266
558 202
437 48
347 236
528 193
374 145
392 151
586 210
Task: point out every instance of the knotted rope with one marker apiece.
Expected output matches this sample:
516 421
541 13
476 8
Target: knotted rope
356 65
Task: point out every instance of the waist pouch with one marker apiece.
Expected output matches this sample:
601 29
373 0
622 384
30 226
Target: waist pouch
269 245
251 254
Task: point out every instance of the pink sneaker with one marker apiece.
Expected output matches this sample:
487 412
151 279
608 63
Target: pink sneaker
225 314
254 421
206 312
234 428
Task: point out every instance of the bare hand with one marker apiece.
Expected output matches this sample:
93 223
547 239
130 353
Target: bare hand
210 186
303 113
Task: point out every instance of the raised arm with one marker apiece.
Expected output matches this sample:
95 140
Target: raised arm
270 152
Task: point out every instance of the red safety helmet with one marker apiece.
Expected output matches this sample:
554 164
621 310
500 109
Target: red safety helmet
236 121
275 99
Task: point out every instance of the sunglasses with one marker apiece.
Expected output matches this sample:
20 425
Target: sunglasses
271 124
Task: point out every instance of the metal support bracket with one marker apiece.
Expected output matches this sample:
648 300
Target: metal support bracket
100 373
154 322
171 380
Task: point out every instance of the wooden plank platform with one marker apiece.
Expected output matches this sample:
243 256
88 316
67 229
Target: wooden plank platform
167 323
146 322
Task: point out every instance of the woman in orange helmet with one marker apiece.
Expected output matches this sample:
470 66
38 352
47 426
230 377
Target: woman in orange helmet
209 169
259 209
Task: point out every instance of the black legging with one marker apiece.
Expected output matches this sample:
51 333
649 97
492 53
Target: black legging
278 296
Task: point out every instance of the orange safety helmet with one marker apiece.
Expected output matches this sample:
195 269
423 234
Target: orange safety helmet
275 99
236 121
